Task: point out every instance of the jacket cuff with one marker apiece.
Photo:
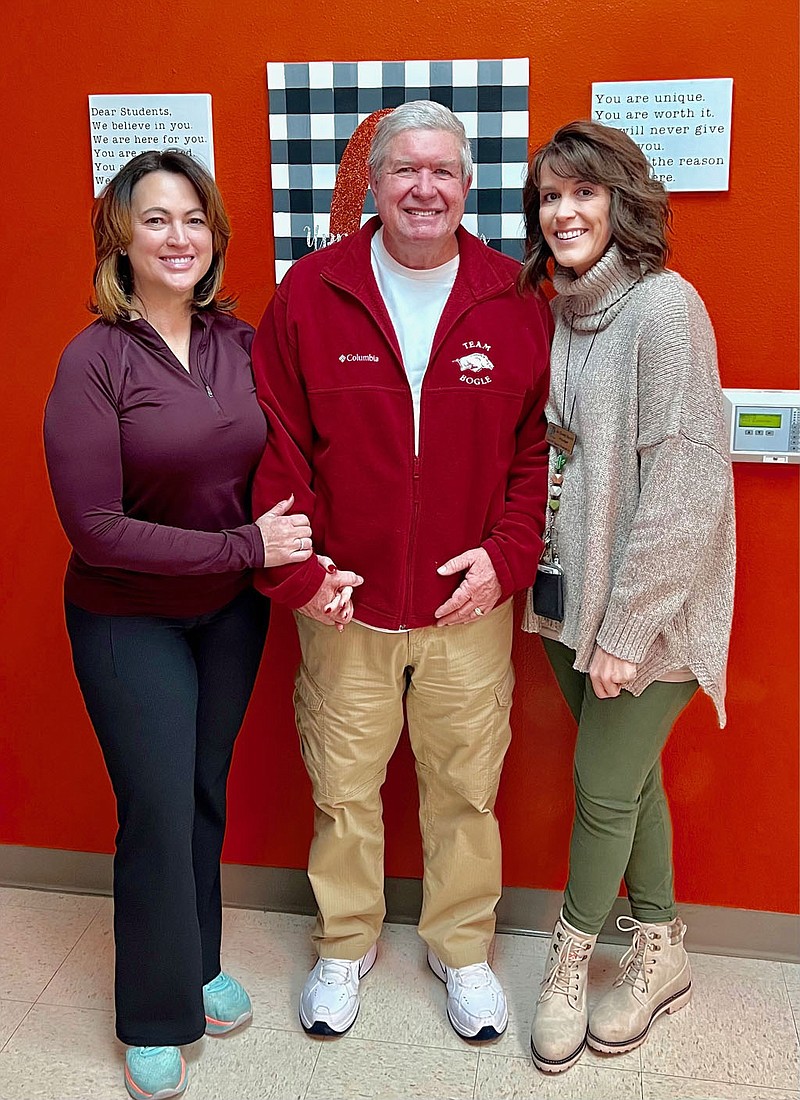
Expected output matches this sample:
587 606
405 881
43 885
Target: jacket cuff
504 577
291 585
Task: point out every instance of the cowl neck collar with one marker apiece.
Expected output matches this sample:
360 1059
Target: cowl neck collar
600 292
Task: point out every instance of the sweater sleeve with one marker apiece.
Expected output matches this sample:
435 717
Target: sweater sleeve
685 475
515 543
84 462
285 466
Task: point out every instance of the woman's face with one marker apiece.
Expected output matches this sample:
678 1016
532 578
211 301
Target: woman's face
171 247
574 217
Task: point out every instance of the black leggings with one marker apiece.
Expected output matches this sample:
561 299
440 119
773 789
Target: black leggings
166 698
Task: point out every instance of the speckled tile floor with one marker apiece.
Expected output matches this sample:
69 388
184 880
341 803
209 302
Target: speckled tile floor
738 1040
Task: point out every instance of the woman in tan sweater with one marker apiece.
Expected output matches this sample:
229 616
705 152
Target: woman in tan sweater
635 593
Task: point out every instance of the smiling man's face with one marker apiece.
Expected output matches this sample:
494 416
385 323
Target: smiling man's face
420 195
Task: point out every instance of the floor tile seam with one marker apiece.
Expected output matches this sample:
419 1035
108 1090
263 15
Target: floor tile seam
763 981
467 1048
72 1008
286 1030
706 1081
283 1029
30 1005
522 1056
716 1081
796 1018
63 962
313 1072
602 1068
476 1075
41 1003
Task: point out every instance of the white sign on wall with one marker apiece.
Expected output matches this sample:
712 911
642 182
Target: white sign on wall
121 126
683 127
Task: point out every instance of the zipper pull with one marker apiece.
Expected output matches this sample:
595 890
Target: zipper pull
208 390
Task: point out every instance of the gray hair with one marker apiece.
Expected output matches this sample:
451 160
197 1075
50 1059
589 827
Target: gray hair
419 114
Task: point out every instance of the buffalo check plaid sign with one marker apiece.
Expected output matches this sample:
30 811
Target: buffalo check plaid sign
315 106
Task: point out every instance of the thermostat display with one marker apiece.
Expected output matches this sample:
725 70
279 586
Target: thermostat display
763 425
760 420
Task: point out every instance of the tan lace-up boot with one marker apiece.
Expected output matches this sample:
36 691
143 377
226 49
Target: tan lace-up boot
558 1035
655 977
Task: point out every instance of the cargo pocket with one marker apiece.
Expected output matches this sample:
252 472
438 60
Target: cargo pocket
504 691
500 735
309 712
479 746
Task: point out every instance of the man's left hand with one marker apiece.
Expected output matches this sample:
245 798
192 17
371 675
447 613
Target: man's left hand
478 592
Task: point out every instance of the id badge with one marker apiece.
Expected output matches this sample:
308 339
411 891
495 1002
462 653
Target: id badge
561 438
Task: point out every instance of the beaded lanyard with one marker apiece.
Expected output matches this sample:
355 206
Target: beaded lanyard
561 456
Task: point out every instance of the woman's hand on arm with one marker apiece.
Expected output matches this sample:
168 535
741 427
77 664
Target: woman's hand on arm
609 674
287 538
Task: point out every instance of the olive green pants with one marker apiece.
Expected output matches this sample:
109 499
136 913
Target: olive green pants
622 826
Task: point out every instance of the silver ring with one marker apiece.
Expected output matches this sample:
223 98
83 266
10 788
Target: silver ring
478 610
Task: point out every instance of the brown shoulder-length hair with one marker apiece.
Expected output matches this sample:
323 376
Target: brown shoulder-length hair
640 214
111 223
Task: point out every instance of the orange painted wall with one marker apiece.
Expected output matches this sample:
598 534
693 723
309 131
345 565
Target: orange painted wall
734 794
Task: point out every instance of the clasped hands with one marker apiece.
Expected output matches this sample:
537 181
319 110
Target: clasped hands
477 594
332 603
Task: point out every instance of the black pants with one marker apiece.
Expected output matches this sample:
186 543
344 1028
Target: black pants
166 698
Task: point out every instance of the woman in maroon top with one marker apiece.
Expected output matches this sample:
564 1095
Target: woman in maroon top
152 434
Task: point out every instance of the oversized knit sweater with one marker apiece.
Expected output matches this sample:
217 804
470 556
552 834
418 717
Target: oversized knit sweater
645 527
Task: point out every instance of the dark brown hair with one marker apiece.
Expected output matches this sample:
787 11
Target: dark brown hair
639 213
111 223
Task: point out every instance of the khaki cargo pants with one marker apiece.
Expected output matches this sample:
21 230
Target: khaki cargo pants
457 683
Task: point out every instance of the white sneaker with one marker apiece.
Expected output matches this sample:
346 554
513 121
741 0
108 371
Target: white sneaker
476 1003
558 1033
329 1001
655 978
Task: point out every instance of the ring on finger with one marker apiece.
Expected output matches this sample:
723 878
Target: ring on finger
478 611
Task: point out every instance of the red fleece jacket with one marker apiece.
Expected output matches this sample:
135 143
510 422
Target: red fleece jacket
331 381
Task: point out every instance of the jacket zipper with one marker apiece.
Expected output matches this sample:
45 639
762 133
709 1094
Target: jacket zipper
411 536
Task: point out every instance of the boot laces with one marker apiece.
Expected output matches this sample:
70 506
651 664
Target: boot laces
564 975
639 959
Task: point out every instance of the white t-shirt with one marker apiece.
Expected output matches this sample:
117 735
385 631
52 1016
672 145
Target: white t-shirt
415 301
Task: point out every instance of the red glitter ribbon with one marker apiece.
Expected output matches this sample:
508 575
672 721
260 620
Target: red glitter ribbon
352 179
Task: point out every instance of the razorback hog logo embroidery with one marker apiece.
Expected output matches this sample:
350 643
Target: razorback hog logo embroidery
473 366
475 362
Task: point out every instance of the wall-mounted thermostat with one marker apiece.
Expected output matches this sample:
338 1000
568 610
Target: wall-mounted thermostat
763 425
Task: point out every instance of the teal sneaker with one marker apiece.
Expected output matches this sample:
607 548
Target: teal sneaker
226 1005
155 1073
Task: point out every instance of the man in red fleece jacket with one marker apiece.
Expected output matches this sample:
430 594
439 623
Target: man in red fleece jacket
404 380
